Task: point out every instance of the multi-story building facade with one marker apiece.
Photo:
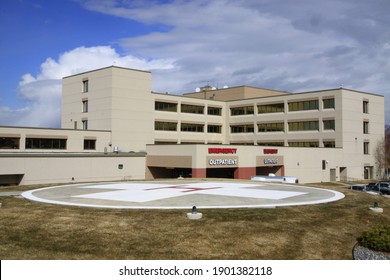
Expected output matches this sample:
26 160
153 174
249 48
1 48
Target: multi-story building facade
235 132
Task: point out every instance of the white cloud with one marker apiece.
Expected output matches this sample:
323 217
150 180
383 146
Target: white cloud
42 93
300 46
305 45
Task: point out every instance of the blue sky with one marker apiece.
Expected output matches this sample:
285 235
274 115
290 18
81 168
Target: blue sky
296 45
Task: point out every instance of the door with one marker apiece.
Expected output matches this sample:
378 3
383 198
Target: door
332 174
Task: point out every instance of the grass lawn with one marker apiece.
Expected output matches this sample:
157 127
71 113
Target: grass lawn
33 230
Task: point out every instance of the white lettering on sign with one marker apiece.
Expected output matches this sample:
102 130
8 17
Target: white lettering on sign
270 161
223 162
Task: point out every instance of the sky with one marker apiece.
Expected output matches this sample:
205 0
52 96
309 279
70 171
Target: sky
294 46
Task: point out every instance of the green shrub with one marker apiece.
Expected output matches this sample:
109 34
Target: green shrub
377 238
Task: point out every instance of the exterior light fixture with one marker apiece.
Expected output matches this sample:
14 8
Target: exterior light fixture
375 208
194 215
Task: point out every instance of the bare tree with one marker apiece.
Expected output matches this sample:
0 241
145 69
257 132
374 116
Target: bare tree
380 158
387 150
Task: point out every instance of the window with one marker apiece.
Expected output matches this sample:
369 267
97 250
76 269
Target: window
300 126
329 124
214 128
85 86
214 111
9 142
303 144
365 107
192 109
85 124
323 164
270 108
281 144
89 144
303 105
270 127
365 127
246 110
45 143
165 106
243 128
328 103
192 127
165 126
366 148
329 144
85 106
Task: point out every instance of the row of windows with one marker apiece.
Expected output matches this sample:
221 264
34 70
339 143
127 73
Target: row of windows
45 143
279 107
246 128
42 143
296 144
262 127
296 126
190 127
186 108
312 144
90 144
246 110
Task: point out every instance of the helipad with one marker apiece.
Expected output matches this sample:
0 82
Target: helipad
179 194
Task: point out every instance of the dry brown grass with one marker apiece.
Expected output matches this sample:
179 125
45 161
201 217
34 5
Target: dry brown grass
32 230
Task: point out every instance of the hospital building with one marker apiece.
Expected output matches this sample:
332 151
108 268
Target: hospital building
114 127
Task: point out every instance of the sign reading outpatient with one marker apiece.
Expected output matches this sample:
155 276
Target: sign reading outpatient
223 161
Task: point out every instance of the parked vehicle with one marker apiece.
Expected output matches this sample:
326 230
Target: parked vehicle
273 178
362 188
370 186
383 187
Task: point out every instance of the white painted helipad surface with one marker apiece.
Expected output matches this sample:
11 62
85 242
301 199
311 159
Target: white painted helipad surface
179 194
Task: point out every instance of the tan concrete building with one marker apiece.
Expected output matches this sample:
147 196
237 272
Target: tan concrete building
111 117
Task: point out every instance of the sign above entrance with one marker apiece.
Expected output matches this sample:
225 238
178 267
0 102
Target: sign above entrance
222 150
269 161
226 161
270 151
222 161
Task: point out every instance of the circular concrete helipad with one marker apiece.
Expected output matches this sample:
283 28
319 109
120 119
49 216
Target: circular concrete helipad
180 194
